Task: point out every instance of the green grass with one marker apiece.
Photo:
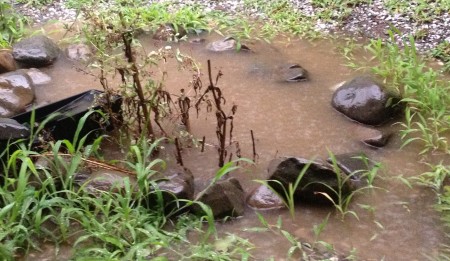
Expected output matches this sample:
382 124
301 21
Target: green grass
424 92
427 113
442 52
45 204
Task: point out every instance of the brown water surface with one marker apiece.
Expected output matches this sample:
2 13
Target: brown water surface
296 119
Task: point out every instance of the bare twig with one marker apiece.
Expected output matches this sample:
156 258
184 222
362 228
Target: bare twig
254 146
127 41
179 158
203 144
90 161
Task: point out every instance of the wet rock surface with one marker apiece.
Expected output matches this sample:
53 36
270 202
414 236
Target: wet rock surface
97 181
174 183
178 183
78 52
352 162
366 101
36 51
379 140
226 198
282 72
227 44
11 129
37 76
264 198
355 164
318 178
292 73
16 92
372 137
7 62
197 41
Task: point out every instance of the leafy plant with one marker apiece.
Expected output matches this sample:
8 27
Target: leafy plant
318 229
424 93
335 9
35 3
435 178
12 24
341 198
280 17
442 52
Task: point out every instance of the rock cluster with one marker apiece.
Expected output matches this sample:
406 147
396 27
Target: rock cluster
20 78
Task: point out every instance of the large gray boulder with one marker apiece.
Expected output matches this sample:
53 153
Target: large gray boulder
319 178
366 101
36 51
226 198
16 92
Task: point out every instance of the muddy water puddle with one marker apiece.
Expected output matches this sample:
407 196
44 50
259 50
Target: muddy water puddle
295 119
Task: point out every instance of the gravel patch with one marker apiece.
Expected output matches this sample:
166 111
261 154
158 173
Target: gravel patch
366 20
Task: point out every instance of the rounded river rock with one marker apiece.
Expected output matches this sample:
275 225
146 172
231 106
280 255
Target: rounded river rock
366 101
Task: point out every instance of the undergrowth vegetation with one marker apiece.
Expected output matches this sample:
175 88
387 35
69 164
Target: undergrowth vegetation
423 90
427 109
44 203
12 24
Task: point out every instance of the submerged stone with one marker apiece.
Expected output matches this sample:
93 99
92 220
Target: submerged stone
226 198
264 198
197 41
104 180
37 76
351 163
36 51
178 183
355 164
379 140
364 100
226 44
292 73
174 183
281 72
78 52
371 136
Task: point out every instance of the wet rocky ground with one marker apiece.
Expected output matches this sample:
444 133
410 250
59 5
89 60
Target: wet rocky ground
373 20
